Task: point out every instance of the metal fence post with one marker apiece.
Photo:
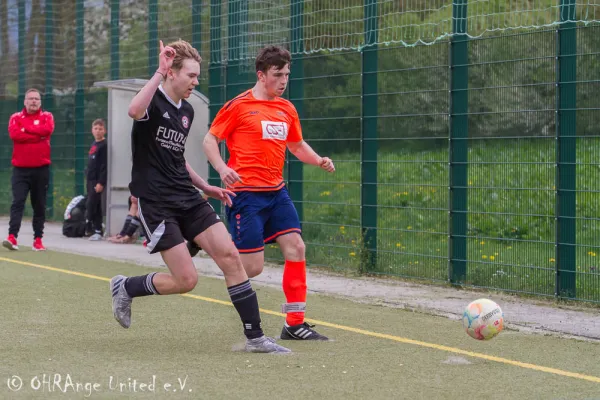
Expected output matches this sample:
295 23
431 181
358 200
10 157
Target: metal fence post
215 83
296 94
80 133
369 144
458 144
48 103
197 25
153 46
22 64
566 149
114 39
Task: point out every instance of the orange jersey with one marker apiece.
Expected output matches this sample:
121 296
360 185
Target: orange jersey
256 133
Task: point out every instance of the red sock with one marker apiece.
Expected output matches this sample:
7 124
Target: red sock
294 288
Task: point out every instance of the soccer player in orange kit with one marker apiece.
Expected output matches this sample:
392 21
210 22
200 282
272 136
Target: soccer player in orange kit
257 126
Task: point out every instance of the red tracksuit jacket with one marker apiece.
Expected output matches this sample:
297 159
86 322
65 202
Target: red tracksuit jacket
30 134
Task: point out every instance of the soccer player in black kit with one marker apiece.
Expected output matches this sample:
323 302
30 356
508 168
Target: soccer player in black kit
170 206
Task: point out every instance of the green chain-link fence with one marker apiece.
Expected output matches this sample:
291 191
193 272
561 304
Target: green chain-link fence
465 134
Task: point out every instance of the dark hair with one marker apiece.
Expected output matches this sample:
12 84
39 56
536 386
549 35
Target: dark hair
272 56
99 121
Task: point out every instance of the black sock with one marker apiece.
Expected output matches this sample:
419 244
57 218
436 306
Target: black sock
125 225
246 303
133 226
138 286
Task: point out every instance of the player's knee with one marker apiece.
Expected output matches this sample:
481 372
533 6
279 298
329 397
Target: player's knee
230 260
296 248
187 282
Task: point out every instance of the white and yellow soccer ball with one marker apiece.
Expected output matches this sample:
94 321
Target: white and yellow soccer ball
483 319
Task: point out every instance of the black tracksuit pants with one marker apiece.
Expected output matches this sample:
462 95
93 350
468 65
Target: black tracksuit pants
25 181
94 207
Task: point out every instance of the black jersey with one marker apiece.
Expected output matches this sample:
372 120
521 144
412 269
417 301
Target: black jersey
157 144
97 159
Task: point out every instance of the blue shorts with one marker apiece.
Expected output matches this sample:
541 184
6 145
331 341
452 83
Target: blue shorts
256 218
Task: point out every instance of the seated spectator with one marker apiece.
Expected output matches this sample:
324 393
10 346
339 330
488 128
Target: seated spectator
132 228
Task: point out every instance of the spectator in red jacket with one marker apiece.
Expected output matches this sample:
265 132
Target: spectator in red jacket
30 130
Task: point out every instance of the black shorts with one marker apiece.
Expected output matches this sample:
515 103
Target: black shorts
168 224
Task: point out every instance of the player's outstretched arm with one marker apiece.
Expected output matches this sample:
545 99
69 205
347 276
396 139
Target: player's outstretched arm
307 155
211 149
141 101
196 179
215 192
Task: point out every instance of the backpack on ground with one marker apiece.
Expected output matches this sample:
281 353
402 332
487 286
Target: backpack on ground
74 222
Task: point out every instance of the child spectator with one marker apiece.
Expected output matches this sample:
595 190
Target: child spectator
96 178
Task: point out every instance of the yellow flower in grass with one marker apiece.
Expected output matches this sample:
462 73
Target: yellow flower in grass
482 243
492 258
353 254
591 253
325 193
552 260
484 257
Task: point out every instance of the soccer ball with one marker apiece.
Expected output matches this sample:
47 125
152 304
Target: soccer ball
483 319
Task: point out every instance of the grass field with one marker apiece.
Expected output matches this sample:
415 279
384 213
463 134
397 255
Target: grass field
57 322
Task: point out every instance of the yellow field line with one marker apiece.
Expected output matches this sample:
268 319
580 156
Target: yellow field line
64 271
351 329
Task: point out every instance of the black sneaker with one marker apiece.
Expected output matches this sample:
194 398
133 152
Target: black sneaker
301 332
193 248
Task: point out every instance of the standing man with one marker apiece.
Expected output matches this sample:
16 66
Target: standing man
30 130
257 126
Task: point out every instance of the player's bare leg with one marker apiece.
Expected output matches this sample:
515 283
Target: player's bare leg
253 263
294 287
182 279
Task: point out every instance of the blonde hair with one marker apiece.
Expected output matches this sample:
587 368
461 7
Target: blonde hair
183 51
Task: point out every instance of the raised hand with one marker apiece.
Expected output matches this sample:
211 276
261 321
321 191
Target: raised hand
165 58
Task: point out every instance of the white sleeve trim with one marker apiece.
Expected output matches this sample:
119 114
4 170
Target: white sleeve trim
146 117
